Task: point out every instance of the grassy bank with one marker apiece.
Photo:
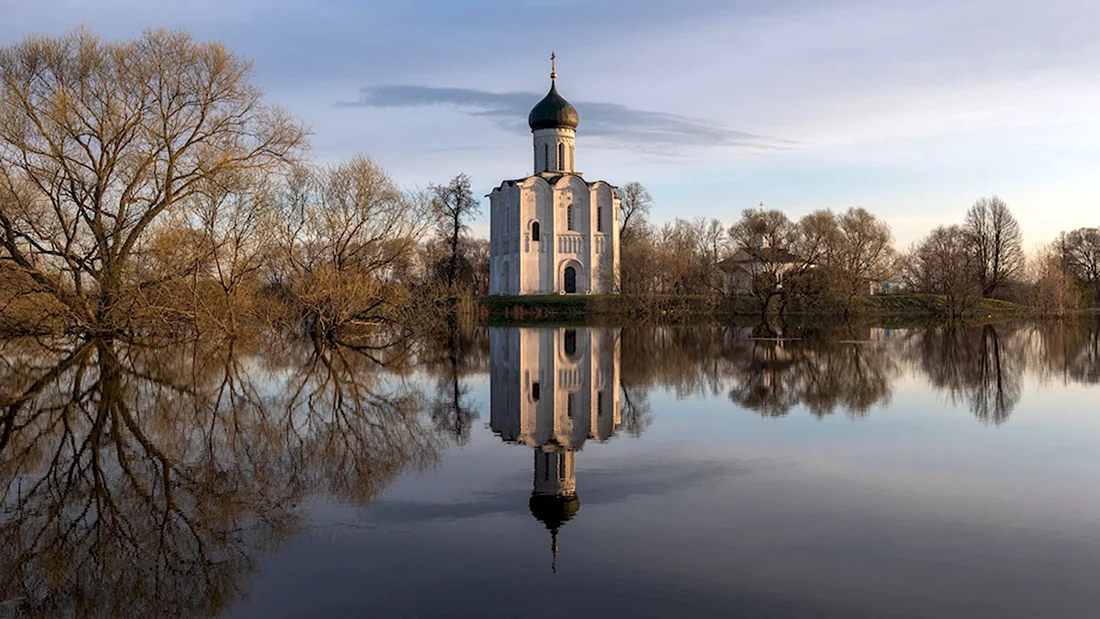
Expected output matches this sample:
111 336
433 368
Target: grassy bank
676 309
40 314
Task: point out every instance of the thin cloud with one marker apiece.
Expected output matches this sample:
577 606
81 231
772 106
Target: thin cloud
614 124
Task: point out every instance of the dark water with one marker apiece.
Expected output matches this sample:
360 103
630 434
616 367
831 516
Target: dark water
557 472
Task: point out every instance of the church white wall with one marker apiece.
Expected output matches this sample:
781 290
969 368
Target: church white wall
552 390
577 393
604 217
520 264
504 241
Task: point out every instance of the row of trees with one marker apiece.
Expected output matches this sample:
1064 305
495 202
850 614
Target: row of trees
146 182
832 259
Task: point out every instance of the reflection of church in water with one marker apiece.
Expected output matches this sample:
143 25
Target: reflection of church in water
554 389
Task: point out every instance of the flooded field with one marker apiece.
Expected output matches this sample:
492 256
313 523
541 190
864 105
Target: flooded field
525 472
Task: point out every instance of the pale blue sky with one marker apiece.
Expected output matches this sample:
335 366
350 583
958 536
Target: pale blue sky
910 108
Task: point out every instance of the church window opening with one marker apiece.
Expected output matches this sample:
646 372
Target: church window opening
569 217
569 404
561 156
546 469
570 342
599 404
599 218
561 469
535 231
535 391
546 158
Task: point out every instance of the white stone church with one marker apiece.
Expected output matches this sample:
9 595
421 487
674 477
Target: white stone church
553 232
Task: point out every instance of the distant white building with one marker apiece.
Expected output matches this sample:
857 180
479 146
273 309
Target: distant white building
552 390
742 269
553 231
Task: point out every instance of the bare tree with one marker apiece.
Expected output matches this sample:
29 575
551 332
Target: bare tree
236 223
679 266
1079 252
634 205
345 232
99 140
997 244
477 252
711 247
454 204
640 265
637 273
864 253
943 263
763 240
1053 289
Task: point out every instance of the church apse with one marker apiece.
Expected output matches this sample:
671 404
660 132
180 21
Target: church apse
554 390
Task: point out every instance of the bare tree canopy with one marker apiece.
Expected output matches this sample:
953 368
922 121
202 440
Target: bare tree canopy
864 253
454 205
99 140
347 230
634 205
755 229
763 240
997 244
1079 254
943 263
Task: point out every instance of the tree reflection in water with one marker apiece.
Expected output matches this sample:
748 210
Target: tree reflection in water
981 366
144 480
853 370
451 359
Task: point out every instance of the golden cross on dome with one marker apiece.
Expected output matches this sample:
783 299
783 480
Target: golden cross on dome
553 72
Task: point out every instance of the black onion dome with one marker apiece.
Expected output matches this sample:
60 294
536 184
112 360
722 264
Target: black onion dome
554 511
553 112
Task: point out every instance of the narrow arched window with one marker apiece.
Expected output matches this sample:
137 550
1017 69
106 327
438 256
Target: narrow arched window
569 217
535 231
561 155
546 158
599 218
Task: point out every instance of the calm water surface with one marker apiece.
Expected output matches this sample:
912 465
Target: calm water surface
557 472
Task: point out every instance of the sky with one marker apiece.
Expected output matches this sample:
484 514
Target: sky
912 109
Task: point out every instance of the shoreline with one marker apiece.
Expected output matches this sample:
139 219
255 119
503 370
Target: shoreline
921 309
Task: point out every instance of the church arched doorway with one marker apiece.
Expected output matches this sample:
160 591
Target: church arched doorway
570 280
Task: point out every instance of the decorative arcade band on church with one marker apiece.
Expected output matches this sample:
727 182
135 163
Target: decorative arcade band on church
553 232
